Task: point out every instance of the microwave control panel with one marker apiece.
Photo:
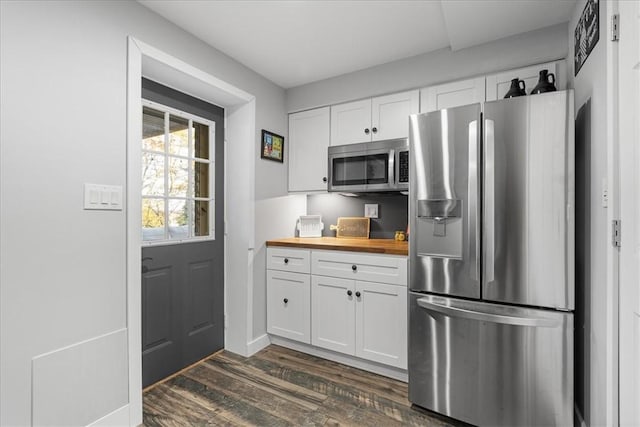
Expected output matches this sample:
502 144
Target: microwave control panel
403 166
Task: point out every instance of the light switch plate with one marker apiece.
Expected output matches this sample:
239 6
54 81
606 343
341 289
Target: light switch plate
371 210
103 197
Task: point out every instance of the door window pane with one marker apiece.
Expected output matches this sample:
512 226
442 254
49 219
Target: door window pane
178 177
201 140
153 219
152 129
201 179
152 174
178 136
178 215
201 218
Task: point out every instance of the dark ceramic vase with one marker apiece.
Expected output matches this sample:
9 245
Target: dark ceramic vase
517 88
546 83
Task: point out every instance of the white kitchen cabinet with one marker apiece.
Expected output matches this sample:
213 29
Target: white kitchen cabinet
351 122
333 314
366 319
381 323
373 119
454 94
498 84
289 293
308 142
289 305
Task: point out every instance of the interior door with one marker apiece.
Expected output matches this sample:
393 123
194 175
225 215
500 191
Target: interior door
183 271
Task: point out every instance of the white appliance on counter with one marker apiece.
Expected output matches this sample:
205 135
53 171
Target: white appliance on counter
491 261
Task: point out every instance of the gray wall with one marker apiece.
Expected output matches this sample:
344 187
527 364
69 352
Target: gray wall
63 114
392 212
436 67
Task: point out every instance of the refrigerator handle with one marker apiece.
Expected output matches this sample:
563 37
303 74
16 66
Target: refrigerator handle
473 209
489 194
451 310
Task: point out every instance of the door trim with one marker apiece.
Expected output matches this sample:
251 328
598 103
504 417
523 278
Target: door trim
145 60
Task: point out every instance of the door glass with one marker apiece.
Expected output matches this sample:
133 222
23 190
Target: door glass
152 130
201 140
178 214
200 218
178 177
152 174
153 219
178 136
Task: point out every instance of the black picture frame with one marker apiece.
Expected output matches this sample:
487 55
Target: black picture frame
586 34
272 146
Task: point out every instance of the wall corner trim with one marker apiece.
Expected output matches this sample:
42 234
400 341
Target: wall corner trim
258 344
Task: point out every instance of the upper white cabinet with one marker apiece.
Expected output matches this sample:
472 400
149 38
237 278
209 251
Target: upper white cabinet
375 119
308 143
498 84
454 94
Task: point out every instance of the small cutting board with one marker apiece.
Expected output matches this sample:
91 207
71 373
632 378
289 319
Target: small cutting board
352 227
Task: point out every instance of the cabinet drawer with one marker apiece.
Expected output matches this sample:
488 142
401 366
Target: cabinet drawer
289 305
348 265
294 260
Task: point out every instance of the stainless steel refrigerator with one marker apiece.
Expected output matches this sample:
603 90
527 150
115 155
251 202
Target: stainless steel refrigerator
491 267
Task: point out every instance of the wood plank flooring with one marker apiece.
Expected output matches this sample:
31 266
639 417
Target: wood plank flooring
281 387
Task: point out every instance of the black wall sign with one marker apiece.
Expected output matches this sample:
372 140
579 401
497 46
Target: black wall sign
587 33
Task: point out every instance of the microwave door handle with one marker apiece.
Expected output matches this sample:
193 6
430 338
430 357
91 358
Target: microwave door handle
392 157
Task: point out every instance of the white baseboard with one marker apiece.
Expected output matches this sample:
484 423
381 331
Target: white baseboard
257 344
376 368
119 417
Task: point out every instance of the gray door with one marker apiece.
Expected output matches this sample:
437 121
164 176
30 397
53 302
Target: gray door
444 202
182 280
528 234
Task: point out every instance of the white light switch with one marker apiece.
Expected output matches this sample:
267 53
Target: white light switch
103 197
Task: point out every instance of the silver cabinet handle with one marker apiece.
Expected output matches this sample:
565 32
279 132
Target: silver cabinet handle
486 316
489 198
473 207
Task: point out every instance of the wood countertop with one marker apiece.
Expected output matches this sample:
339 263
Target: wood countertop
376 246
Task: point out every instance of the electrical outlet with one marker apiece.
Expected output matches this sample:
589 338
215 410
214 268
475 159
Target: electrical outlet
371 210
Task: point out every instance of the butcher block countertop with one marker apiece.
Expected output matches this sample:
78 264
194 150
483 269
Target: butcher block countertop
376 246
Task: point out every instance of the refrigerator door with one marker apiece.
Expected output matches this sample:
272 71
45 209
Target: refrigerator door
444 205
528 217
489 364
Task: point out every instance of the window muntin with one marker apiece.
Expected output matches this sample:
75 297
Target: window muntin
177 175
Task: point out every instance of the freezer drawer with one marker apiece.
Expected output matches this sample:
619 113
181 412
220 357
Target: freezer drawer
489 364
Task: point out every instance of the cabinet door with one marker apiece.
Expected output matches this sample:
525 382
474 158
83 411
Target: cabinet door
289 305
390 115
333 314
452 94
351 122
308 143
498 84
381 323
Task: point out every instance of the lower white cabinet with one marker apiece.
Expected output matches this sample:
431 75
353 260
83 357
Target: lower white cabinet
288 305
363 319
351 303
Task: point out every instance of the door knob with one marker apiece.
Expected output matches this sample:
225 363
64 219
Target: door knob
366 131
354 267
358 294
286 260
374 130
349 293
286 300
324 179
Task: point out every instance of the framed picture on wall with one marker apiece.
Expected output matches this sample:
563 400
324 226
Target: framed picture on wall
272 146
586 34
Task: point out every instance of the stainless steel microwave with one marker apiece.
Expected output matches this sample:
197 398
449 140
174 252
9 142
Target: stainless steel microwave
369 167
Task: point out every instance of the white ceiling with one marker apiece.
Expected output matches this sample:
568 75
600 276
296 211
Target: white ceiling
297 42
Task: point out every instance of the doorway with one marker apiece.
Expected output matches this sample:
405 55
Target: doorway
182 215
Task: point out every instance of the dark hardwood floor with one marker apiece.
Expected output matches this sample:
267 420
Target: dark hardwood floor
280 387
